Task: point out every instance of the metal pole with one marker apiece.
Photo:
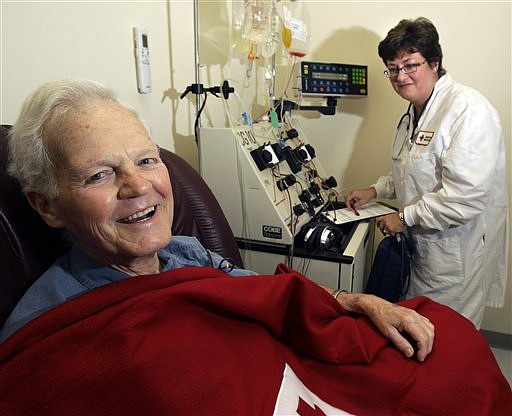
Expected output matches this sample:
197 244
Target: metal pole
197 78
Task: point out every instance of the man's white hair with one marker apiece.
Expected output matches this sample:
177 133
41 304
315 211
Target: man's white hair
29 159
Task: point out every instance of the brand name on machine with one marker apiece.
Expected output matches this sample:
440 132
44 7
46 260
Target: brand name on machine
246 137
271 231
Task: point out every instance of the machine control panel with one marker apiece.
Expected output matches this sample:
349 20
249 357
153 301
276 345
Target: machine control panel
269 184
333 79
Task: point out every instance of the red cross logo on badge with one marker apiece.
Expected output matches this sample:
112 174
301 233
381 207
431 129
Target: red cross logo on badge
424 137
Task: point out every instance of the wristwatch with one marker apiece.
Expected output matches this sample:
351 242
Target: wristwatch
402 219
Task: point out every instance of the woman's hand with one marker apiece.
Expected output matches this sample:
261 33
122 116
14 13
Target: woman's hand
390 224
358 197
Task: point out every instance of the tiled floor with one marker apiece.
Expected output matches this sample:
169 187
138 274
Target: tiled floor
504 358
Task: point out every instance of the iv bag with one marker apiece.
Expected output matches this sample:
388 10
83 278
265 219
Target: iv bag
238 42
296 24
269 46
257 20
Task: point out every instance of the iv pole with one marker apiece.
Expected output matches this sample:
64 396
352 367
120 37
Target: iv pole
198 89
197 81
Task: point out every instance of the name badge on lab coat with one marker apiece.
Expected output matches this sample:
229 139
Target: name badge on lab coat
423 137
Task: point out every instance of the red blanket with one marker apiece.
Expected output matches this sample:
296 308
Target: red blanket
194 341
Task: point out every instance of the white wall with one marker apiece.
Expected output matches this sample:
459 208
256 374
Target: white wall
47 40
51 40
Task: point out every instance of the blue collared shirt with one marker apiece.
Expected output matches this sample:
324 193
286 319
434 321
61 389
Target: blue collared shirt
76 273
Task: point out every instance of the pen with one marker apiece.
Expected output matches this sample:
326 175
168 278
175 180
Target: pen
352 205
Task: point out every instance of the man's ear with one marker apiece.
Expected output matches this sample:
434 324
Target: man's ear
46 208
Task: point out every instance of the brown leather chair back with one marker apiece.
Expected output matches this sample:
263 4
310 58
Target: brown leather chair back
28 246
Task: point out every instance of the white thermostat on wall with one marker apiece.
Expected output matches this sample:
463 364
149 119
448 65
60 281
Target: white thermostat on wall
143 65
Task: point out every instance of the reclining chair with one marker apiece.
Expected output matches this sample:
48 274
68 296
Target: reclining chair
28 246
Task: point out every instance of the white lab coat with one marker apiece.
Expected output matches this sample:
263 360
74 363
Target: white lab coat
450 181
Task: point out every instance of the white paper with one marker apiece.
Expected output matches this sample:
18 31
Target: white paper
370 210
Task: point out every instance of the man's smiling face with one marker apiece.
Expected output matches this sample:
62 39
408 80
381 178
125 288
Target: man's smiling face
115 196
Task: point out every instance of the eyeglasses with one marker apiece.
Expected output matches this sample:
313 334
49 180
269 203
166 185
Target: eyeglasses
406 69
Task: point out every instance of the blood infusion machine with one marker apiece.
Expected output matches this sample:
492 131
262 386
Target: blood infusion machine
272 189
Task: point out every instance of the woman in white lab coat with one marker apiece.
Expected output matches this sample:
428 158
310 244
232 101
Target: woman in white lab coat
448 176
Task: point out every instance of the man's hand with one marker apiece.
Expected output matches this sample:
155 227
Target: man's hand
395 322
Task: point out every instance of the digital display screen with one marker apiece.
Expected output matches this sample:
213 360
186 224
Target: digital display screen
333 79
144 41
329 76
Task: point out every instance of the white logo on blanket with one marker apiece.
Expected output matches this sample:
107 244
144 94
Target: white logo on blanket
294 395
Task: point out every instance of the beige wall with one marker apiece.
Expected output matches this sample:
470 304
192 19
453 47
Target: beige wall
47 40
